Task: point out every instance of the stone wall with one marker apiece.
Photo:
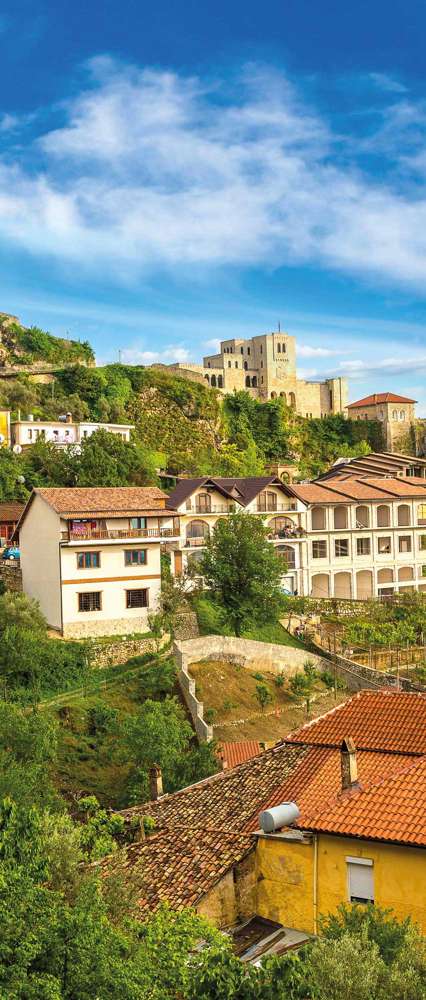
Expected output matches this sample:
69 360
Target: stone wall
105 626
233 899
269 657
111 654
11 575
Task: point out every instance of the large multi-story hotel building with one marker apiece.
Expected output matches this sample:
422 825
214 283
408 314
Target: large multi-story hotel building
351 538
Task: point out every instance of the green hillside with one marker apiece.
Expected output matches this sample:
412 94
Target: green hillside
180 425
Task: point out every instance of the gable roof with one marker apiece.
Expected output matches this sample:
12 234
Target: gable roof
234 753
387 721
242 491
11 510
381 397
111 501
392 808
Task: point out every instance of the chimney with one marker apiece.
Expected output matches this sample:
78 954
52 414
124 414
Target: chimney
348 765
155 782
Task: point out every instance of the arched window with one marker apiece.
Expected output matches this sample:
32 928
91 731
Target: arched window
421 513
362 516
394 414
284 348
219 382
247 381
197 531
383 516
203 503
318 518
402 414
245 366
254 381
340 518
282 527
284 397
287 552
292 399
279 348
207 377
273 395
213 381
267 500
403 515
229 364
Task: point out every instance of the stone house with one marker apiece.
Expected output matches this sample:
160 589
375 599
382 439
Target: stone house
395 413
91 557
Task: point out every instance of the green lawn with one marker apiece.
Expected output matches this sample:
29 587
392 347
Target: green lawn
210 623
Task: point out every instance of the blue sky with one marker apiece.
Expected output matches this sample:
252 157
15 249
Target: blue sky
173 174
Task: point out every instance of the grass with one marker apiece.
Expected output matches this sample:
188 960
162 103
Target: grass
210 622
230 691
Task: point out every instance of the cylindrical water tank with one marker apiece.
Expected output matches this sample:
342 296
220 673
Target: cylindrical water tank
282 815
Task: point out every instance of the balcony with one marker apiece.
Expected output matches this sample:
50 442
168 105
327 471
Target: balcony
112 534
195 541
270 509
214 508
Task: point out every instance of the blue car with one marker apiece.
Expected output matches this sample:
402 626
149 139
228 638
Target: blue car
11 552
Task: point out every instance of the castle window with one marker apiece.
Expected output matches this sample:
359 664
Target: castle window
254 381
245 366
213 381
219 382
279 348
229 364
394 414
402 414
261 364
242 350
261 379
236 364
248 350
247 381
261 348
284 348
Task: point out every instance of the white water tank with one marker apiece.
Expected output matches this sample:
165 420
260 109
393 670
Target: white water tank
283 815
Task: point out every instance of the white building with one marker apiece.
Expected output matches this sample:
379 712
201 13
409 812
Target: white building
91 557
61 432
351 538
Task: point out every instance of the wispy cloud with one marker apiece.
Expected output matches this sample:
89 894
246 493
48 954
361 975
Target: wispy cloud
152 170
387 83
306 351
140 355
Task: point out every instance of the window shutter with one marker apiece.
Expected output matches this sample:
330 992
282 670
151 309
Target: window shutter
360 881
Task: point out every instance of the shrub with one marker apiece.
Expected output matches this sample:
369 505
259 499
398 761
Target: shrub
101 719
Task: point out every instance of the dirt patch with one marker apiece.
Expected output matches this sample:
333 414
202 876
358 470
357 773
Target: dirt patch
230 692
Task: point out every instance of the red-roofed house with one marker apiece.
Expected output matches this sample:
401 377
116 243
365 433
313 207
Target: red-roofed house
395 413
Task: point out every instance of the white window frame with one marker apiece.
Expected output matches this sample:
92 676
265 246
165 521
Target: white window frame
351 866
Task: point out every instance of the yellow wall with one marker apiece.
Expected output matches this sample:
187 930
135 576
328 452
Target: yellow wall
285 873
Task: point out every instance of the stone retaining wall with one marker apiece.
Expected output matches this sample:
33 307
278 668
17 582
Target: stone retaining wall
11 575
270 657
111 654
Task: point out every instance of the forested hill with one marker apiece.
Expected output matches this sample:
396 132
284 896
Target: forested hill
20 345
180 425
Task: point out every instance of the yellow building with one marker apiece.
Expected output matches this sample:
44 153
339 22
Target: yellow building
292 833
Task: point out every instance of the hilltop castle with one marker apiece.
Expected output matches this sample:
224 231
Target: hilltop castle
265 366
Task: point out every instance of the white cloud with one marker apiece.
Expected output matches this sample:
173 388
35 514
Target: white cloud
213 345
143 356
387 83
305 351
152 170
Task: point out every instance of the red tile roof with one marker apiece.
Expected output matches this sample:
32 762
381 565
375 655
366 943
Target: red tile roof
392 808
381 397
354 488
387 721
232 754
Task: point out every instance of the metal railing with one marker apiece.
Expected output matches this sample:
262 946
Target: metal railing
194 541
99 534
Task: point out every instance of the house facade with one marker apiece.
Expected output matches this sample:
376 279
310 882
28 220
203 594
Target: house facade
91 557
345 538
62 433
265 366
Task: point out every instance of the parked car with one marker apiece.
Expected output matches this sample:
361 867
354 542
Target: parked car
11 552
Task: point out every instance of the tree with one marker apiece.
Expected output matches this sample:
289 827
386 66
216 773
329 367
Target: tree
303 685
263 696
243 571
22 612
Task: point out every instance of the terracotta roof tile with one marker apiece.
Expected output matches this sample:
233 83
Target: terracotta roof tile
392 808
388 721
80 500
232 754
381 397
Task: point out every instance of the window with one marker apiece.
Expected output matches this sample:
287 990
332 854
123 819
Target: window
402 414
90 601
136 598
203 503
138 523
242 350
421 513
267 501
279 348
88 560
248 350
318 518
341 547
188 505
229 364
394 414
363 546
423 570
319 550
384 546
135 557
404 543
360 880
236 364
422 543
